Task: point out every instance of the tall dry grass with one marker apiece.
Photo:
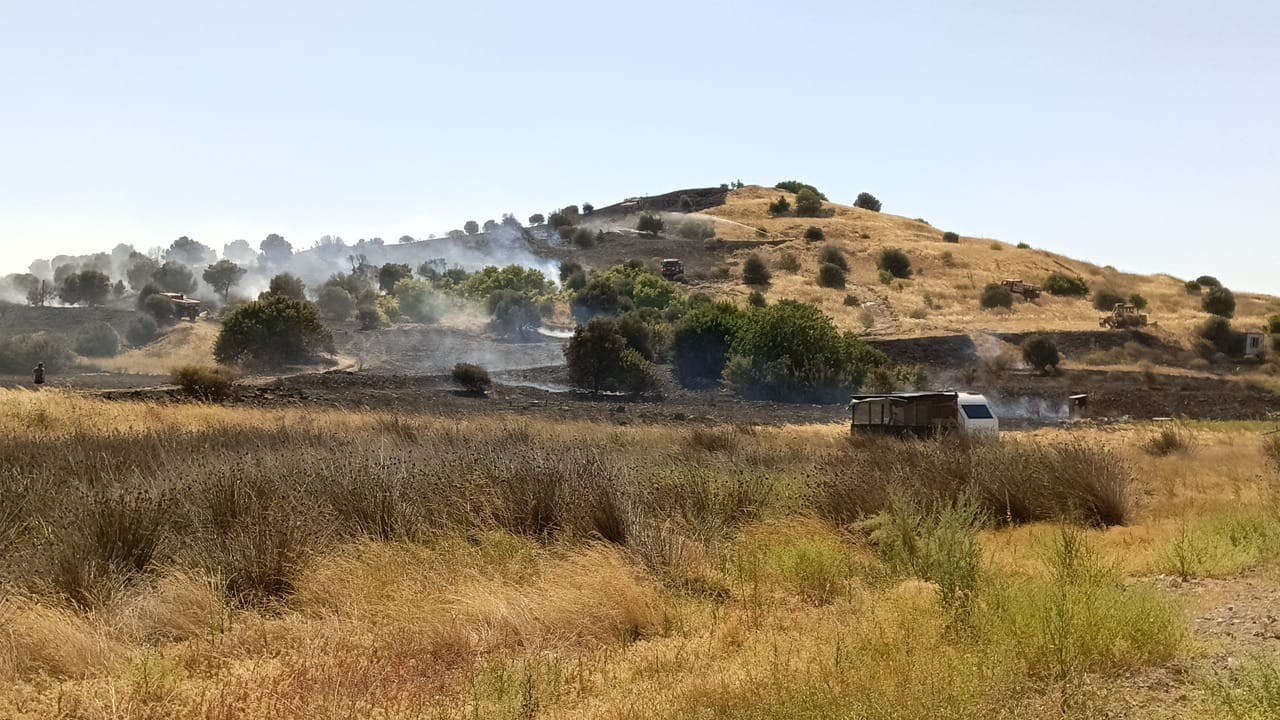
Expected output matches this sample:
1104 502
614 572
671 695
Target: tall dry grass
189 561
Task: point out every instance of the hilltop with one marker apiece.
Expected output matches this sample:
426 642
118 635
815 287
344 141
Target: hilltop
941 297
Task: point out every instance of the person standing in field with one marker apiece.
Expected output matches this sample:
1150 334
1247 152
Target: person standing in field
39 374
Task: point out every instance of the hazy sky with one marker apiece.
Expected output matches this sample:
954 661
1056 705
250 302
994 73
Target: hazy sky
1141 134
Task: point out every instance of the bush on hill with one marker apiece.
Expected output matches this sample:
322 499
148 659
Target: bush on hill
754 271
1219 301
1064 285
995 295
834 256
473 378
599 358
808 204
1106 300
142 330
867 201
1041 353
814 234
335 303
99 340
950 237
781 206
831 275
272 333
795 186
700 343
895 262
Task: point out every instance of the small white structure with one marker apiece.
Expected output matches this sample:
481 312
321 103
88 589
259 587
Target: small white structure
1254 342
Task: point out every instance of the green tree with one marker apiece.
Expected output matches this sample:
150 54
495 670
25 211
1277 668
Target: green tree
995 295
701 341
142 330
895 262
174 277
222 276
1064 285
272 332
188 252
418 300
392 273
1208 281
287 285
276 251
536 219
1040 352
335 303
781 206
791 351
814 234
833 255
140 270
950 237
489 225
99 340
471 227
1219 301
867 201
87 287
795 186
808 204
598 358
755 272
511 312
831 275
650 224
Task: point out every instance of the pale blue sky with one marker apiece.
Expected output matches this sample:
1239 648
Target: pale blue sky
1141 134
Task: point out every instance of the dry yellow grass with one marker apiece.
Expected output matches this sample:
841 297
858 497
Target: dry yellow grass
948 277
184 344
787 616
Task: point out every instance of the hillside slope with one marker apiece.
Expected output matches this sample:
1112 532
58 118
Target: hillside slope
942 295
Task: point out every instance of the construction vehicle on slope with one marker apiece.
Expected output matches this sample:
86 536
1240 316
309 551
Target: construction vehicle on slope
1124 316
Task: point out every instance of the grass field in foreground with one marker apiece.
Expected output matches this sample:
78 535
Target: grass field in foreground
197 561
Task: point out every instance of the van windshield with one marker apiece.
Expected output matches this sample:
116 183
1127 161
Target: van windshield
977 412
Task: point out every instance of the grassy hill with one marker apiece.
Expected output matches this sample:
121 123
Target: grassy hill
942 295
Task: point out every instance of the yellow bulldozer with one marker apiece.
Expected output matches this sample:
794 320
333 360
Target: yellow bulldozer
1124 316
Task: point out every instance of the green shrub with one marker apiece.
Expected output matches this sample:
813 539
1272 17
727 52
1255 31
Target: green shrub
1273 325
701 341
1023 246
336 303
1041 353
100 340
1138 301
1208 281
473 378
272 333
1219 301
795 186
895 262
211 384
289 286
370 317
831 276
781 206
694 229
142 330
536 219
754 271
599 358
808 204
418 300
833 255
584 238
1106 300
791 351
511 312
852 301
1218 333
650 224
814 234
1065 285
1192 287
389 275
995 295
20 353
756 299
886 277
867 201
950 237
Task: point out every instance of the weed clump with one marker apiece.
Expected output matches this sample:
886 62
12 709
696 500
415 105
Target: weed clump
210 384
472 378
